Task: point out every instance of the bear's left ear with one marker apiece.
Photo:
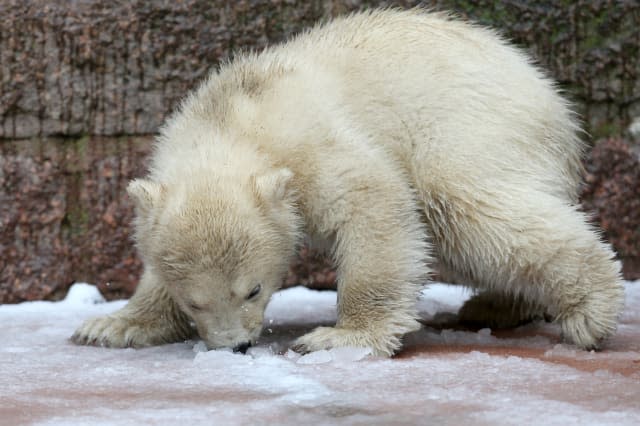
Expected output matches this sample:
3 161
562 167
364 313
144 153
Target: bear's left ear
273 186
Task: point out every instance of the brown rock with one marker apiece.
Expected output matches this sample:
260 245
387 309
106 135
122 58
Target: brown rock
612 193
112 68
66 217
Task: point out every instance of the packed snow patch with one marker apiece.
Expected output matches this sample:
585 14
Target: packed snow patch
444 375
83 294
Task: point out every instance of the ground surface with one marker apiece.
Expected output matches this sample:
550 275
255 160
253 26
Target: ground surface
443 376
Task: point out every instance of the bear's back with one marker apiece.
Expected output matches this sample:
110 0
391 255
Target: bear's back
433 90
457 84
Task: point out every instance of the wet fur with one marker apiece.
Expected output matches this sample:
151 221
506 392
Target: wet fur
397 136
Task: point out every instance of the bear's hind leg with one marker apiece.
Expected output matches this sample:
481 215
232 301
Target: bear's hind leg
499 310
150 318
493 309
538 247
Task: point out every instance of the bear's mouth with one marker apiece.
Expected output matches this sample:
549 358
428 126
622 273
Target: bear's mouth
242 347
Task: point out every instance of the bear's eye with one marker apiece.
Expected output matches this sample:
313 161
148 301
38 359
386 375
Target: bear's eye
195 307
254 292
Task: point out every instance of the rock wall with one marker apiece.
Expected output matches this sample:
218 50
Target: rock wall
65 216
612 194
84 83
117 68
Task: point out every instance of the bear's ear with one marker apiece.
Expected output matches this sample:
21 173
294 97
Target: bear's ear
273 186
145 194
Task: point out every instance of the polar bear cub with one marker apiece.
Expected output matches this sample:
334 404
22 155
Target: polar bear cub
398 137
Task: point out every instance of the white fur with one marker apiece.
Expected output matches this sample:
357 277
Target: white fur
393 135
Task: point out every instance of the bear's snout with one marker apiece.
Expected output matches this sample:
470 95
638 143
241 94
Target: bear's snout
242 347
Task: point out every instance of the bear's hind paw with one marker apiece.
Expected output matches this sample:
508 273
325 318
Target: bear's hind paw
335 337
585 332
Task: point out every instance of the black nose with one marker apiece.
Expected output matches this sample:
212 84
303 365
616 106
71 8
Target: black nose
242 347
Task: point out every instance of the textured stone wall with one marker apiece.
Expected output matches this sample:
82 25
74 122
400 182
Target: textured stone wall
612 194
65 216
592 48
84 83
112 68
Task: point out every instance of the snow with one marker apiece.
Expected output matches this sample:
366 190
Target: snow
444 375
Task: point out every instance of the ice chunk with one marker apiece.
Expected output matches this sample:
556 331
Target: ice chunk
349 354
340 355
259 352
223 355
465 337
83 294
292 355
200 347
480 356
561 350
318 357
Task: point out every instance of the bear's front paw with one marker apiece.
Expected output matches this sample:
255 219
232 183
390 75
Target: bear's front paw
113 332
336 337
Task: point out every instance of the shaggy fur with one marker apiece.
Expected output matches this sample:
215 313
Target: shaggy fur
393 135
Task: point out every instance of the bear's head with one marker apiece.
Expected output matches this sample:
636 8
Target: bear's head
221 247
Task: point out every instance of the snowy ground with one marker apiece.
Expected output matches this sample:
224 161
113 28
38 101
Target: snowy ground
444 376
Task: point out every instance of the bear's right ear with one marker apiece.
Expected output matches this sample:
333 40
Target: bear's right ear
145 194
273 186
